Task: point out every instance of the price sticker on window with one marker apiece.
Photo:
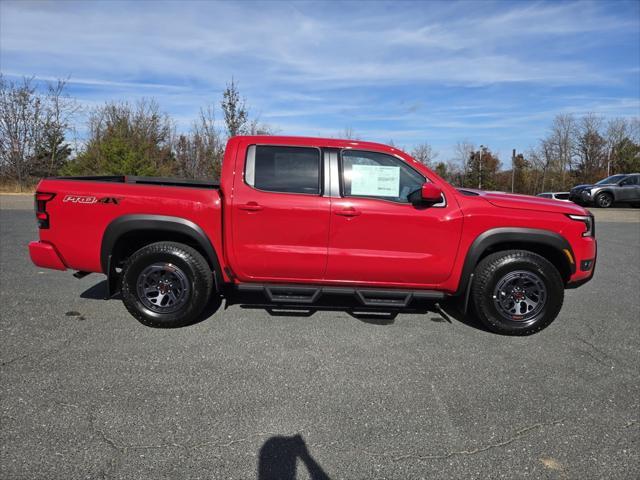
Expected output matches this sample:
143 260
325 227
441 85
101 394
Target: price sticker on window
375 181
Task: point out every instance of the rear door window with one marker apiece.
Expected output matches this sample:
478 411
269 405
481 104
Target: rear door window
283 169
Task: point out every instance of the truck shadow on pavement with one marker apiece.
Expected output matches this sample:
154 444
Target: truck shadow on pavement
279 456
446 312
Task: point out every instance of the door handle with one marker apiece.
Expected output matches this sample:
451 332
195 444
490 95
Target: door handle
348 212
251 207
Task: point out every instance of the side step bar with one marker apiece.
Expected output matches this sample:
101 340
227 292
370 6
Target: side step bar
369 297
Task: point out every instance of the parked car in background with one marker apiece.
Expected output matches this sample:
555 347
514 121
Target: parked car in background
563 196
621 188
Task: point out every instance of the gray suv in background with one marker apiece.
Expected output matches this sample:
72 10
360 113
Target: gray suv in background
622 188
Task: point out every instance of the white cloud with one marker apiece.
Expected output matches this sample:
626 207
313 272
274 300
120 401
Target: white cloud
314 68
203 41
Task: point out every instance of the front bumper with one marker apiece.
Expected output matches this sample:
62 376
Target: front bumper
588 253
45 255
583 197
586 197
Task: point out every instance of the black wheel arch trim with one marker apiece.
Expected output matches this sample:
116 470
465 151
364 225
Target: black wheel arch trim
496 236
144 222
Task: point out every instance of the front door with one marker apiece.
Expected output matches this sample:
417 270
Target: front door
629 189
378 236
280 218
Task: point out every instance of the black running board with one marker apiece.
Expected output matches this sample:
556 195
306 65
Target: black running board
309 294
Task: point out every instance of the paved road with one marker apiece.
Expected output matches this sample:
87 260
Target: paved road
87 392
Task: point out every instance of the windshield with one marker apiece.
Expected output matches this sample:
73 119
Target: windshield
611 179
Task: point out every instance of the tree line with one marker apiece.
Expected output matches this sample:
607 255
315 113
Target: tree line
576 150
38 138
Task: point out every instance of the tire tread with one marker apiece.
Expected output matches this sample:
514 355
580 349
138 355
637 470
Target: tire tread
191 256
484 274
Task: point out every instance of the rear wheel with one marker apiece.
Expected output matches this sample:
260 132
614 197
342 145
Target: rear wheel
166 284
604 200
517 292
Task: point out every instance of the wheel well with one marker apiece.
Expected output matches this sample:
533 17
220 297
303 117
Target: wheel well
131 242
557 258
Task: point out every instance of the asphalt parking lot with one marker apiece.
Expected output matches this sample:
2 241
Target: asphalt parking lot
88 392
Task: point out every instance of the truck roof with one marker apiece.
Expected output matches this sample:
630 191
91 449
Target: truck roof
317 142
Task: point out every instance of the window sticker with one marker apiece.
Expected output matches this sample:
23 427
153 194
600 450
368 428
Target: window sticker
375 181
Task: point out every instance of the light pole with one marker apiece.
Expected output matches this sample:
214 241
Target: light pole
513 168
480 167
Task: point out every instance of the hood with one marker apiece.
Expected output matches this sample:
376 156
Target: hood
582 187
528 202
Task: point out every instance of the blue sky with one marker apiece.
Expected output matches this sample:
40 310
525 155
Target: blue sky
487 72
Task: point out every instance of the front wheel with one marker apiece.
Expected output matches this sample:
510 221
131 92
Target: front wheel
517 292
603 200
166 284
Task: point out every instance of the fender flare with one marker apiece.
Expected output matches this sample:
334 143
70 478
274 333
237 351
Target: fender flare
136 222
508 235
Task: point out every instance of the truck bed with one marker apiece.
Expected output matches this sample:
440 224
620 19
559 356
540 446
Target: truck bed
162 181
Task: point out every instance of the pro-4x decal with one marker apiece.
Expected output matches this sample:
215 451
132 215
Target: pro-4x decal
90 199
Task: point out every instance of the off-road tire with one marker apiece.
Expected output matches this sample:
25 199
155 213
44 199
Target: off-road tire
195 272
604 200
495 268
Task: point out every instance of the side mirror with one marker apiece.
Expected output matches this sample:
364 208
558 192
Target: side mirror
428 193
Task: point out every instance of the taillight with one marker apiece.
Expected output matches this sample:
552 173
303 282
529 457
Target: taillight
42 216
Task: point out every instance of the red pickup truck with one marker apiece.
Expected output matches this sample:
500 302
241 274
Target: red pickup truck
298 219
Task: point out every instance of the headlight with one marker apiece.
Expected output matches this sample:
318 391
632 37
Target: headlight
589 224
586 193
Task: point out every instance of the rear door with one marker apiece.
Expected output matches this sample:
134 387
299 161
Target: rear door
378 236
280 222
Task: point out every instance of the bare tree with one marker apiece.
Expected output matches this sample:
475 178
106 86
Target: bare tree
424 153
199 153
33 126
235 111
348 134
618 130
450 171
542 159
563 132
634 130
21 116
463 154
256 127
58 121
590 148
